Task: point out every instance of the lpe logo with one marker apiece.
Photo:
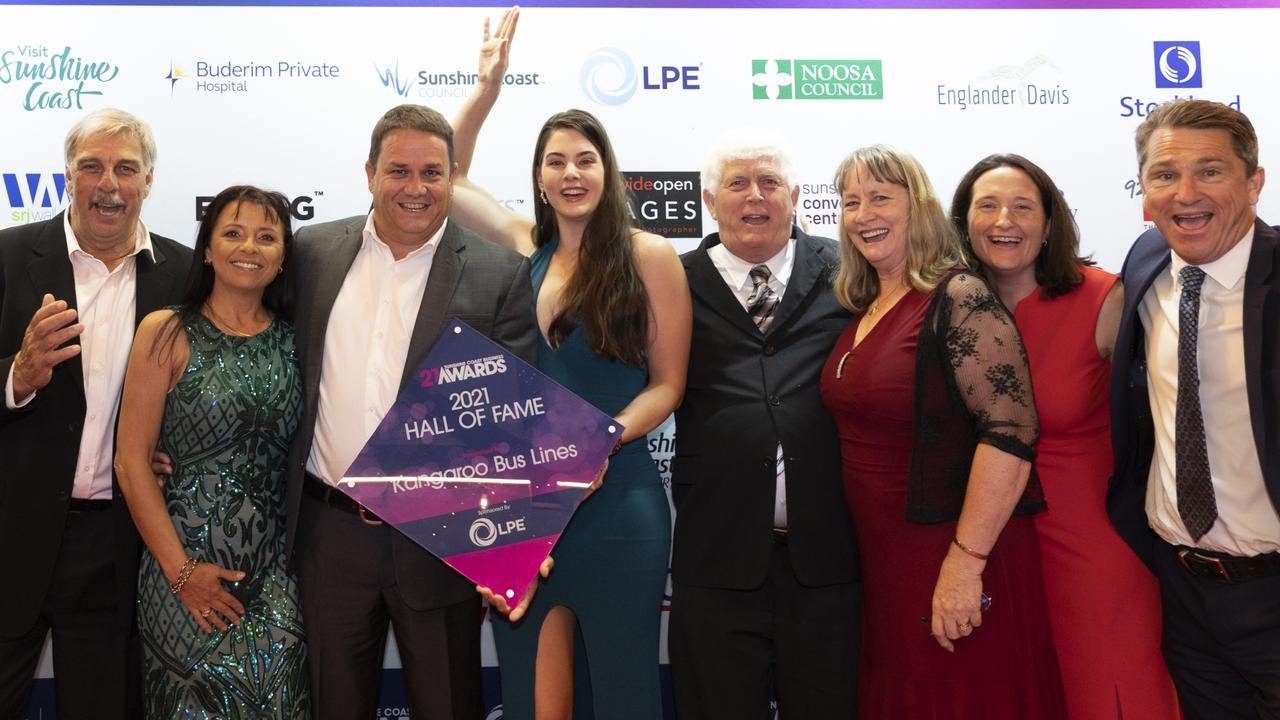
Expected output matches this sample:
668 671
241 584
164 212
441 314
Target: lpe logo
609 77
817 80
1177 64
34 196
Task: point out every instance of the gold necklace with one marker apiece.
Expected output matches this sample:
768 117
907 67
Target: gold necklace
876 304
232 330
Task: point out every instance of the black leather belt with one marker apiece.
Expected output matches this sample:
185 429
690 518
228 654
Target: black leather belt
338 500
82 505
1227 568
780 536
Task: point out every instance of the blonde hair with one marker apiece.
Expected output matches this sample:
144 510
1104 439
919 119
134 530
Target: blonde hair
933 247
112 121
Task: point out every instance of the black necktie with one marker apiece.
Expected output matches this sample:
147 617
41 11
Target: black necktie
763 300
1196 504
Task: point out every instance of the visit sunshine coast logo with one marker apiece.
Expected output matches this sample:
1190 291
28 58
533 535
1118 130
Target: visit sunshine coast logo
54 80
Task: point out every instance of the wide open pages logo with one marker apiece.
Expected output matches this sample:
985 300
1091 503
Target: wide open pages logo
1177 64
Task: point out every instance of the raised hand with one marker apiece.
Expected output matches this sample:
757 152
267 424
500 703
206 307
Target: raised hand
496 48
52 325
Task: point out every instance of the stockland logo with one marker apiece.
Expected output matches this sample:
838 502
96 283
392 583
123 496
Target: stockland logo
1177 64
34 196
54 81
817 80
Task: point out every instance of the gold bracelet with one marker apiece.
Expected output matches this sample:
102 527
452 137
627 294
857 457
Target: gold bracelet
967 550
184 575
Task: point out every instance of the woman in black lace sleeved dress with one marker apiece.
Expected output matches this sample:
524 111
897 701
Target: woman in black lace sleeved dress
930 391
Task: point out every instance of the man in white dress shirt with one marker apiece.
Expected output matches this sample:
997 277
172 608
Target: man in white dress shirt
1196 408
72 289
374 293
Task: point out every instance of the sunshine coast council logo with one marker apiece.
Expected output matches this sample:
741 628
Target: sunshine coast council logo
1177 64
817 80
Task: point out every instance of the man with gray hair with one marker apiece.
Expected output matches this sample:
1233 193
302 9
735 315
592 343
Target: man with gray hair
764 566
72 290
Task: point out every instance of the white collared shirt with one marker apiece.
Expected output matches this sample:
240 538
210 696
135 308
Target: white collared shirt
365 348
106 304
736 273
1247 522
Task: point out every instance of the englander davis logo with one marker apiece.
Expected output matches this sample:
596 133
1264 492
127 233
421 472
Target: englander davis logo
220 77
1177 65
666 203
34 196
58 81
817 80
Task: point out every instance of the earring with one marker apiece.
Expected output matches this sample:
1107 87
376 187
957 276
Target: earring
279 269
543 193
207 261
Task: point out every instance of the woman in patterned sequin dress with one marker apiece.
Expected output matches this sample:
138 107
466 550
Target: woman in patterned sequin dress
214 383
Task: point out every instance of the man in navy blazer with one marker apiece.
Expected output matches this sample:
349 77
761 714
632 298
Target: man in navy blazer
1196 408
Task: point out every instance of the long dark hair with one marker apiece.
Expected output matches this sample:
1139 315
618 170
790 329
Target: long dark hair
277 297
605 295
1059 262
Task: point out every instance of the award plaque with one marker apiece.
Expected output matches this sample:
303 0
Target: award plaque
482 460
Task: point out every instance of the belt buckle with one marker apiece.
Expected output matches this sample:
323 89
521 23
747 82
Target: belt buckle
369 519
1204 561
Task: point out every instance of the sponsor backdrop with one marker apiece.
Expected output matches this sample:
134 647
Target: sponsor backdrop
285 97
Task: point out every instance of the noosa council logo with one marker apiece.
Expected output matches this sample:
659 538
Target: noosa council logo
483 532
609 76
1177 64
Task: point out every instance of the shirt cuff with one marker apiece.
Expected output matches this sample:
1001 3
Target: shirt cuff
9 402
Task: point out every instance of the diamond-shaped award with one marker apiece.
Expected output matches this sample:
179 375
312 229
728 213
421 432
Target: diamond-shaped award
482 460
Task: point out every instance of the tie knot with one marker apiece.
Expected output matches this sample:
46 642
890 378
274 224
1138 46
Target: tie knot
1192 278
760 274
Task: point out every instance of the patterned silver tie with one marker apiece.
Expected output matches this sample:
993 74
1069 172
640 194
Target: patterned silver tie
763 300
1196 503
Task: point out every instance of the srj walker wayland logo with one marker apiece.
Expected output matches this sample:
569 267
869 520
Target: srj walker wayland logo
54 80
817 80
34 196
1178 64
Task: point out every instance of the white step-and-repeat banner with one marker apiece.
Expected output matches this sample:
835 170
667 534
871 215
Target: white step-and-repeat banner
284 96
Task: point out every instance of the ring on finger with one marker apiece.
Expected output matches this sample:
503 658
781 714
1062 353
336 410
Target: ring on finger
966 627
206 613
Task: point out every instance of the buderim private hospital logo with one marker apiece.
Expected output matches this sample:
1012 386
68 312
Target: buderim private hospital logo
817 80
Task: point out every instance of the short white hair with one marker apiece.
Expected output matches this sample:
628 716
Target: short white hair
111 121
748 144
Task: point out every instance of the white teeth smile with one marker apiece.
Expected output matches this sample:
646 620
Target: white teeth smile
755 219
1204 216
573 192
413 207
870 235
1002 240
247 265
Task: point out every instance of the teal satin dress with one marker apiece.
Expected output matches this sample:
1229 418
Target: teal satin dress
610 563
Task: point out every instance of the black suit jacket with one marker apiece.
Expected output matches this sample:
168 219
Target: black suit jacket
39 442
471 279
1131 424
746 392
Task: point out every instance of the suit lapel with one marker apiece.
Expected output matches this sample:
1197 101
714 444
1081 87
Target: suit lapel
154 282
446 269
50 272
1257 284
808 268
706 284
332 272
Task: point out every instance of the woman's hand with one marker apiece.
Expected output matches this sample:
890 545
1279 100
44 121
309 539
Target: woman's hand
499 602
208 601
495 48
957 598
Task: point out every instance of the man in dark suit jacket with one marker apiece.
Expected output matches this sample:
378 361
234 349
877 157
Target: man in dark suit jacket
374 294
72 289
1196 408
764 565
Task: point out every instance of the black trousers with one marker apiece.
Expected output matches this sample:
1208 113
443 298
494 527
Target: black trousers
1221 642
346 576
96 658
729 648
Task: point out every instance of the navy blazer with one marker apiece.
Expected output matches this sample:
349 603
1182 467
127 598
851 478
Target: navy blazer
39 442
1131 424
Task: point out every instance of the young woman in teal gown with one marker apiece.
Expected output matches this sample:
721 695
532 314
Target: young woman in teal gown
614 313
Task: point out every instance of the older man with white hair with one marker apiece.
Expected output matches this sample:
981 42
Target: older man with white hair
72 289
764 564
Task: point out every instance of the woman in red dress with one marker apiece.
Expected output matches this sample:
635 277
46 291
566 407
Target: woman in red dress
1103 603
931 394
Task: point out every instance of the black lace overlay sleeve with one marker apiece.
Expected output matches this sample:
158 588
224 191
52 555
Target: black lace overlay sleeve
988 364
973 385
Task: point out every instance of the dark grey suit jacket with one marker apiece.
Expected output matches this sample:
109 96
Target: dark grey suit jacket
1131 424
471 279
746 392
39 442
